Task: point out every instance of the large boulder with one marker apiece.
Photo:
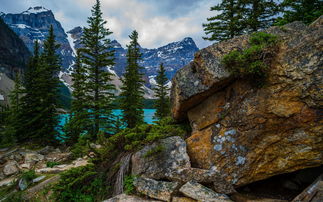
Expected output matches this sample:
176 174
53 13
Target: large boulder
33 157
248 134
160 190
128 198
10 168
173 163
201 193
171 159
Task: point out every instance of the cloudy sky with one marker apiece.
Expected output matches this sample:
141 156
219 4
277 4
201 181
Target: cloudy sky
158 21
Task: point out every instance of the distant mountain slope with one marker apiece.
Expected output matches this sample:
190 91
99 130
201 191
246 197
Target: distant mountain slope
174 56
33 24
13 52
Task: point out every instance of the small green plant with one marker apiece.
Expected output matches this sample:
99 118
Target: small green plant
28 175
51 164
129 188
80 184
154 151
253 62
81 148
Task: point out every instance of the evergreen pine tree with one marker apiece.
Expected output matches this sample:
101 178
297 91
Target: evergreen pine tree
12 119
300 10
161 90
31 121
227 24
96 55
48 83
259 14
132 83
78 117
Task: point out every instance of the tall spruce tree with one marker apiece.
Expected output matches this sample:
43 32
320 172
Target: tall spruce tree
79 114
48 90
12 119
259 14
162 104
132 85
300 10
227 24
31 121
96 56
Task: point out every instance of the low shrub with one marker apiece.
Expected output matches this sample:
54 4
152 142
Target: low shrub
80 184
253 62
81 148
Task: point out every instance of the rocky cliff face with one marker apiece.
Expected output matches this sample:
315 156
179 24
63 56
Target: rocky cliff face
247 134
33 24
13 53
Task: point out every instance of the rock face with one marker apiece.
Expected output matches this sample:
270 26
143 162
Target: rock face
199 192
173 163
128 198
14 54
10 168
249 134
172 159
156 189
33 24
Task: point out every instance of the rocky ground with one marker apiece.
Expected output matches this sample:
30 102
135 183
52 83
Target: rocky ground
47 163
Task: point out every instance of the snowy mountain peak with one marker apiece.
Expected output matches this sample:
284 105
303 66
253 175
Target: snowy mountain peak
115 44
36 10
188 40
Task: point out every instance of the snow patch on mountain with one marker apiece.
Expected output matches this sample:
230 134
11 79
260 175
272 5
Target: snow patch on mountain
35 10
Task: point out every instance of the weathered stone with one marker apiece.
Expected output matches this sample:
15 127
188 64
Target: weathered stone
173 164
32 158
2 175
172 159
204 176
202 77
40 178
313 193
128 198
247 198
199 192
10 168
7 181
46 150
22 184
248 133
58 157
182 199
208 112
199 148
155 189
29 193
60 168
25 166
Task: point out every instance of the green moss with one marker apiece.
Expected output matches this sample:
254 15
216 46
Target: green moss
154 151
129 187
51 164
253 62
134 139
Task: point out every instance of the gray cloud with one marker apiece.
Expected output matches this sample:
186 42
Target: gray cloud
158 21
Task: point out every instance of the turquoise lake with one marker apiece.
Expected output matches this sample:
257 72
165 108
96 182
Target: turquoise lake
148 116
